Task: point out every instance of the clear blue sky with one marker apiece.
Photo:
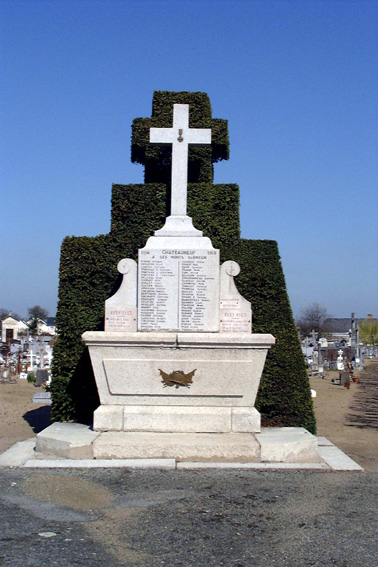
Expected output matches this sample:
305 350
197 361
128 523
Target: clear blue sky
297 82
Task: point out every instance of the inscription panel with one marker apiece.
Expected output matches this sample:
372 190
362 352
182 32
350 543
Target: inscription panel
178 290
120 319
234 318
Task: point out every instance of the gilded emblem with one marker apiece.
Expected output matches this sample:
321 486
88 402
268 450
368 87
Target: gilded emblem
177 378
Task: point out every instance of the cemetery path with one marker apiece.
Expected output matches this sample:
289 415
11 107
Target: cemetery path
20 418
128 518
349 417
363 411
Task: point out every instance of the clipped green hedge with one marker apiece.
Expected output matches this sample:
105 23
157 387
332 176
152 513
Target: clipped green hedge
88 274
157 159
284 396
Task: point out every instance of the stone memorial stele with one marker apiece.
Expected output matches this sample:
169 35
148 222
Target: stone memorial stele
177 368
121 308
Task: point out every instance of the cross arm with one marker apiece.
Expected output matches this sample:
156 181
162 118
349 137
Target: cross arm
162 136
141 139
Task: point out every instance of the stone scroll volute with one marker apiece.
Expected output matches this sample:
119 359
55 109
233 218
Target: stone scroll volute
235 311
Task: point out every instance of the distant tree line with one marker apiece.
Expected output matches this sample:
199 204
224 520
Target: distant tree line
369 332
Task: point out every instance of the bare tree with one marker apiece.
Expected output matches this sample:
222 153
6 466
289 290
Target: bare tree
312 318
38 311
35 314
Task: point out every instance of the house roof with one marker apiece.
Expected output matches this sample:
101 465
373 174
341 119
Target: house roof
12 321
8 320
340 325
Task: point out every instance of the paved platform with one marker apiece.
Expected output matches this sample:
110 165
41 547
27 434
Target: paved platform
70 446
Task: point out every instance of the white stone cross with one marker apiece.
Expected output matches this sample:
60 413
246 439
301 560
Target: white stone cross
180 136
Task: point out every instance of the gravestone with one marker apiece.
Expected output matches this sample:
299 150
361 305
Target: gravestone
42 398
7 375
41 376
183 381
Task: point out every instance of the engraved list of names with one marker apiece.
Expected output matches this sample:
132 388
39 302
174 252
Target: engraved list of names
178 290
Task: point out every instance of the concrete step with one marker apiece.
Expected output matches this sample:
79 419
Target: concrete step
68 440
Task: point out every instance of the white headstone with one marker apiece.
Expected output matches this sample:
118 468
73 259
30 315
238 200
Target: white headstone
340 360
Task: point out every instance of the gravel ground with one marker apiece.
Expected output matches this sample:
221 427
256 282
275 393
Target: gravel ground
349 418
119 517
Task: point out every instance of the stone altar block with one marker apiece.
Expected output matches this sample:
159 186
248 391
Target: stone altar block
139 390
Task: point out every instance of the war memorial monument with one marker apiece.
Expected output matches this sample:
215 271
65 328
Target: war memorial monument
176 365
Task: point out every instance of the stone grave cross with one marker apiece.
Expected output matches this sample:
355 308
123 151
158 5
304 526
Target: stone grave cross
180 136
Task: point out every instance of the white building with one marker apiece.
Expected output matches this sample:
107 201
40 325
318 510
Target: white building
46 328
12 329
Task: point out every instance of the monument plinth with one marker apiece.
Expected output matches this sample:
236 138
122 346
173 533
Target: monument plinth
177 382
178 356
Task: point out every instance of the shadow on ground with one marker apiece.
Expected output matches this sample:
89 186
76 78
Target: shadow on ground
39 418
364 410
